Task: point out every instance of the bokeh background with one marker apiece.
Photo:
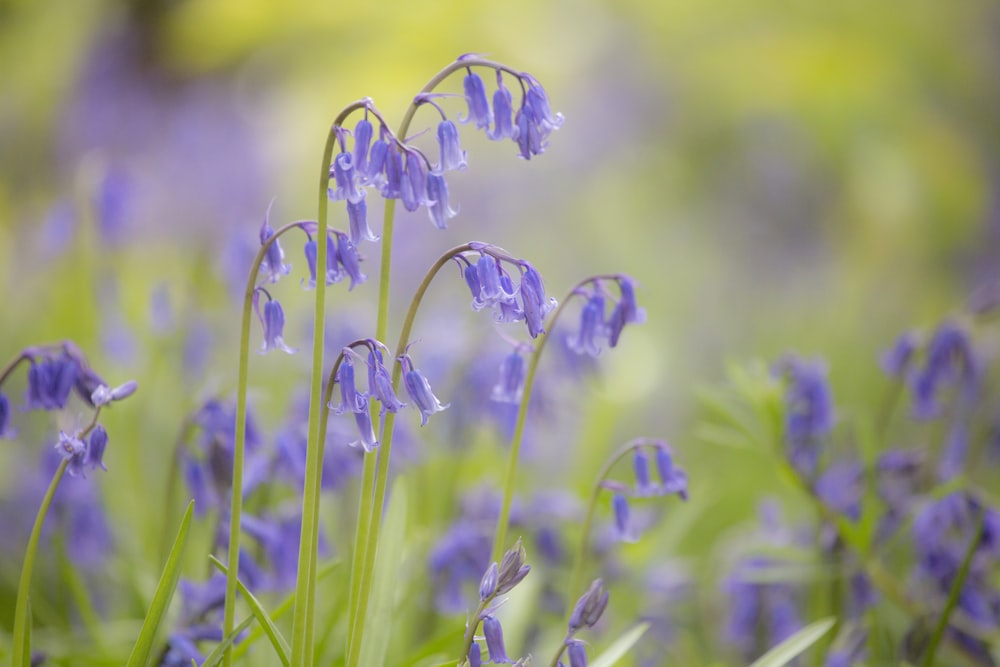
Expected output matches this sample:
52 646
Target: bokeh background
777 176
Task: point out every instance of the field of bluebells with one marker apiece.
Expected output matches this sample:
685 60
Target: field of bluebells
476 407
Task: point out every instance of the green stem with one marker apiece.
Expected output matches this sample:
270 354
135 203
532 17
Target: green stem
239 439
576 581
382 465
22 649
956 590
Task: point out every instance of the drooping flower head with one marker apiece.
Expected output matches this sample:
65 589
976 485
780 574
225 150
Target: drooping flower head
950 364
419 390
272 319
808 411
475 98
273 263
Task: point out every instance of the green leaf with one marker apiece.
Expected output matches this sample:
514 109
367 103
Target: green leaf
140 656
620 647
378 621
784 652
277 641
215 657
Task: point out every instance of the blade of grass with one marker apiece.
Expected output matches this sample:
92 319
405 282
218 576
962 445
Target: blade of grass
786 651
215 657
142 650
620 647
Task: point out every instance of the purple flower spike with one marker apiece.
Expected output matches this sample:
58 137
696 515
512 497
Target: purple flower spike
620 506
475 97
350 399
95 449
363 132
274 258
510 387
363 420
357 213
950 363
274 326
437 204
494 640
503 113
347 254
533 300
419 390
73 450
452 155
347 180
592 328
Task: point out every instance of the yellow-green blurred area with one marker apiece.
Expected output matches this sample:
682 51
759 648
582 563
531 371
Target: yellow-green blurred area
778 176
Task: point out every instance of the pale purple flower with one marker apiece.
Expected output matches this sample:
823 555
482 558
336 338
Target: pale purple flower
475 97
273 320
380 384
419 390
50 381
494 640
502 113
347 255
273 263
363 133
452 155
95 448
357 214
350 399
533 300
592 331
510 387
73 450
346 177
437 205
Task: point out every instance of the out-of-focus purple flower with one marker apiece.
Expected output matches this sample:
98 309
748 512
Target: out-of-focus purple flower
394 173
760 613
50 381
808 412
460 556
475 97
310 252
74 451
512 569
5 429
897 360
452 155
589 608
510 387
623 529
535 121
536 306
503 113
273 263
840 487
592 328
625 311
95 448
949 364
577 652
419 390
673 479
347 255
437 206
955 450
494 640
640 465
475 655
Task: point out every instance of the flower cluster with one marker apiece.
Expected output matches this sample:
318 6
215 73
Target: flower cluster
586 613
597 327
498 580
672 480
809 415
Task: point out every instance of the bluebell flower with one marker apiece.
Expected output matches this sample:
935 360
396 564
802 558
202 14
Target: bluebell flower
673 479
535 121
896 362
808 412
493 633
507 309
273 320
104 395
640 466
512 569
380 384
374 172
488 268
347 255
475 97
459 557
273 263
394 173
346 176
589 608
510 387
488 584
452 155
503 113
73 450
363 133
334 272
95 448
50 382
527 134
357 213
760 614
841 486
437 206
366 430
536 306
475 655
414 184
310 252
592 328
419 390
623 530
625 311
350 399
950 363
5 430
577 653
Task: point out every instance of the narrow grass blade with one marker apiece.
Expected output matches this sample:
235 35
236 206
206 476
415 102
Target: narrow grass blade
378 621
277 641
215 657
620 647
784 652
141 653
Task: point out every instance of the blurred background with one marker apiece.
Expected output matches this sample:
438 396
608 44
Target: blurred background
777 176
